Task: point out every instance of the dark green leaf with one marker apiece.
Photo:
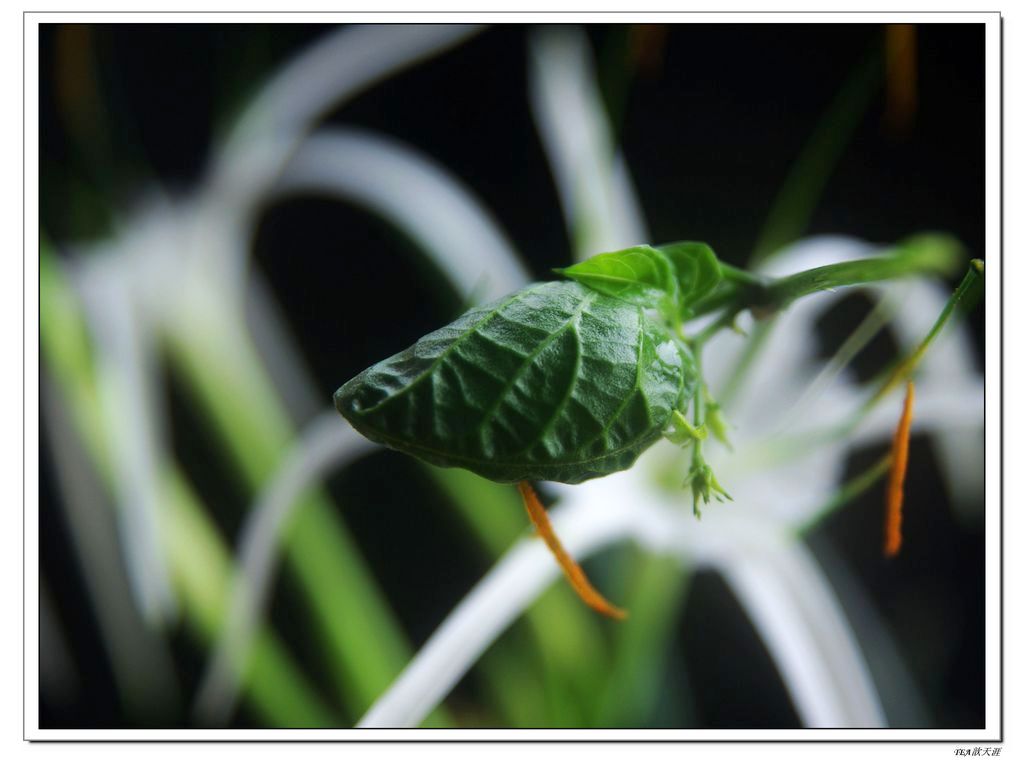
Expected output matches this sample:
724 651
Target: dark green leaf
641 275
555 382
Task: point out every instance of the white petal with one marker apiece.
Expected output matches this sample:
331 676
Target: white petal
334 70
593 182
799 620
327 444
777 582
134 421
419 197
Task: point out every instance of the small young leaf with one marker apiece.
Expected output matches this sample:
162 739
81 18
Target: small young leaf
639 275
697 268
684 432
555 382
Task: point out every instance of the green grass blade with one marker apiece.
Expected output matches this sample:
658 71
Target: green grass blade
567 636
804 184
200 563
657 594
364 643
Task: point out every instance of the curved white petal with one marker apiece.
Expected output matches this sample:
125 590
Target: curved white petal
126 378
594 185
775 578
276 122
950 363
282 359
493 604
419 197
793 607
327 444
786 362
339 67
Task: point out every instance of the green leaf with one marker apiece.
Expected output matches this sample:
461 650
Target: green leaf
555 382
639 275
696 266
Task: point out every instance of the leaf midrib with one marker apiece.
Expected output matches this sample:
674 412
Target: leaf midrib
492 410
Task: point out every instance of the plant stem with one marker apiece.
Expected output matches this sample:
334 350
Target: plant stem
739 276
658 588
726 319
846 493
782 449
361 636
963 294
200 562
729 292
738 375
920 257
926 253
697 460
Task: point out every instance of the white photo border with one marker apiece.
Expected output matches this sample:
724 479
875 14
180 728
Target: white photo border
994 698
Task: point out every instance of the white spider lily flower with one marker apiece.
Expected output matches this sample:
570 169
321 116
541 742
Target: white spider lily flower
751 542
775 579
777 382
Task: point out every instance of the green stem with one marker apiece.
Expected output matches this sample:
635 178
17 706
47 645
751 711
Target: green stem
635 681
697 460
360 635
923 255
730 273
964 294
698 407
847 493
738 374
200 563
780 450
726 294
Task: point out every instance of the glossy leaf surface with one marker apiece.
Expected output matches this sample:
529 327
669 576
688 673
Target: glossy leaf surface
641 275
555 382
696 266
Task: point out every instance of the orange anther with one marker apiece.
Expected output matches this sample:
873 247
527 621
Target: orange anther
897 474
573 572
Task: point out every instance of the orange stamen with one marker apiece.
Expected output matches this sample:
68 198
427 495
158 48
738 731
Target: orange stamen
573 572
897 474
901 77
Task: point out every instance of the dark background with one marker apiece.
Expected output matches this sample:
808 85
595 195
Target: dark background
710 119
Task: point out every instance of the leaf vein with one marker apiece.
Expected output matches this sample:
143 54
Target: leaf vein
568 392
471 331
493 409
